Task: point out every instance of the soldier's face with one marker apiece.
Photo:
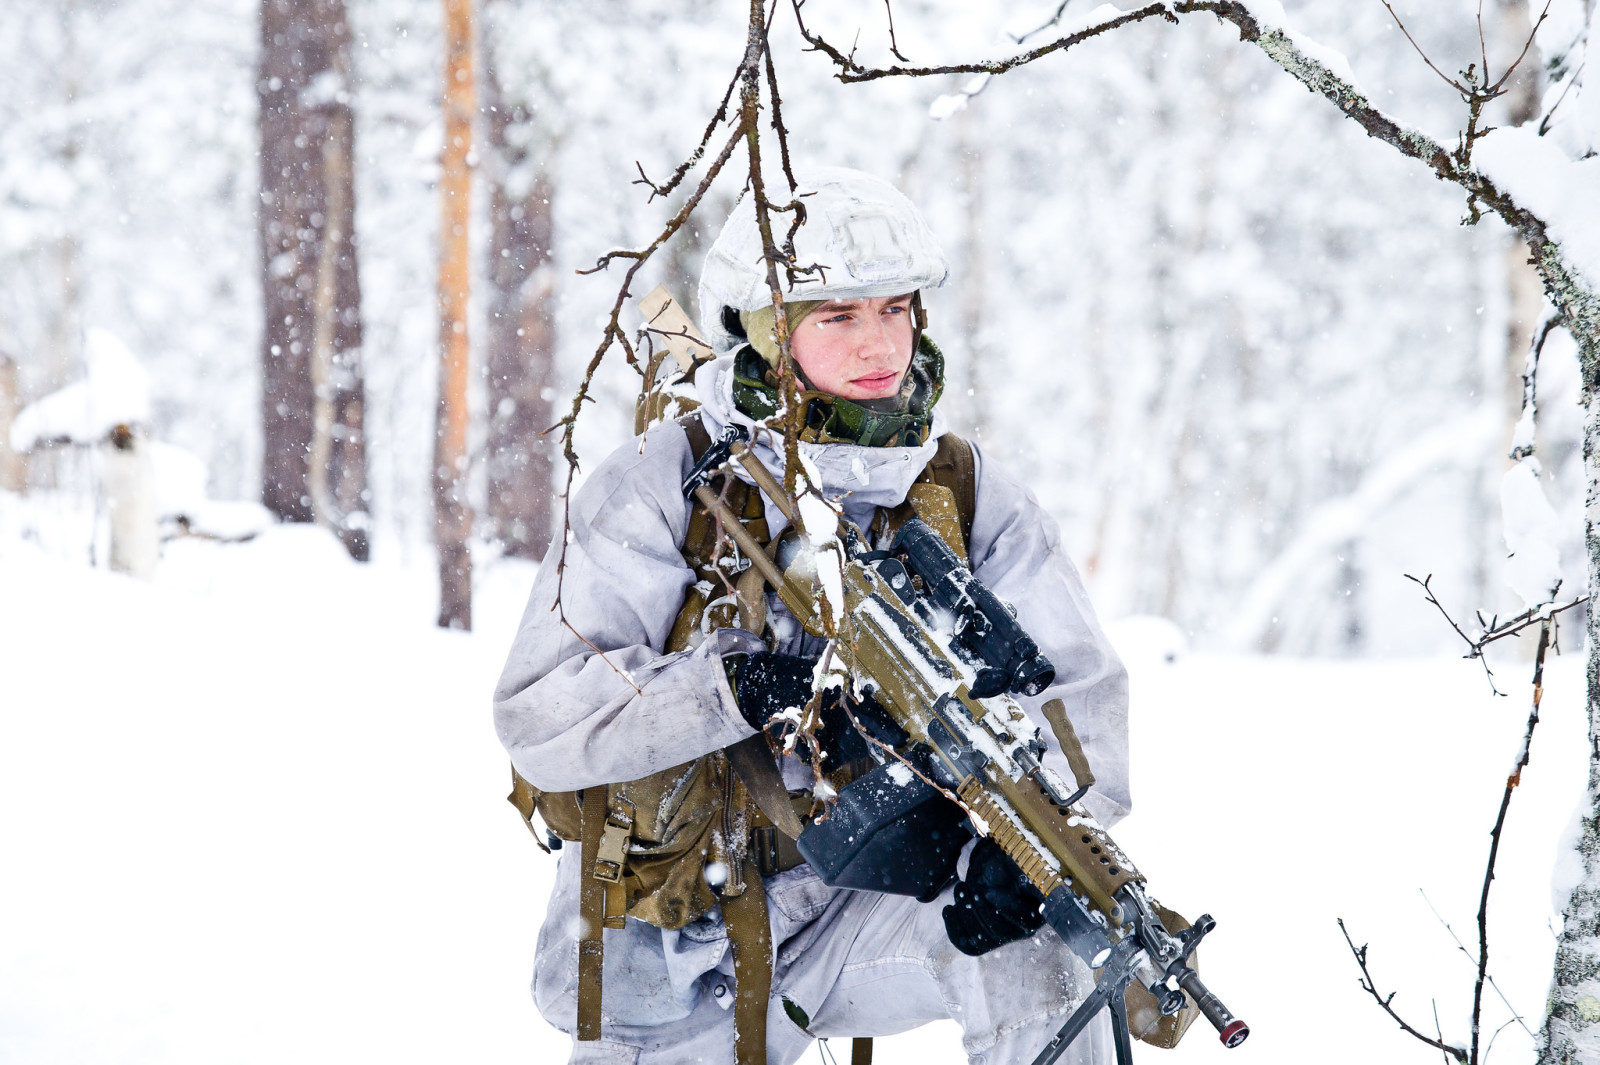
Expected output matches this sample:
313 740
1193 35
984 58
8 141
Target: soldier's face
856 349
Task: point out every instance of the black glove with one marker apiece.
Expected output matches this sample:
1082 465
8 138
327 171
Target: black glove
994 905
766 684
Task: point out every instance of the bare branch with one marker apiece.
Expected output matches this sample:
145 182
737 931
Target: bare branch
1053 20
894 46
1386 1002
1468 954
1578 302
1452 82
1495 629
700 149
1512 781
850 71
1530 380
1498 86
1483 44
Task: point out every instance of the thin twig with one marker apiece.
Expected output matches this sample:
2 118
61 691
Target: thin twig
1468 955
1495 630
1492 1038
1512 69
690 163
1483 44
1452 82
851 71
1574 296
1053 20
894 46
1530 382
1387 1001
1512 781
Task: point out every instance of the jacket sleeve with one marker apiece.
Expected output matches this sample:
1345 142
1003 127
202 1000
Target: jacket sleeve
597 702
1016 550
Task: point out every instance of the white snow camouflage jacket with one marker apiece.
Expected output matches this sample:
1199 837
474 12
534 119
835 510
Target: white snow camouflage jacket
572 718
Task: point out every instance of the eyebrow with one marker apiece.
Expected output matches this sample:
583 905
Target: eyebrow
850 305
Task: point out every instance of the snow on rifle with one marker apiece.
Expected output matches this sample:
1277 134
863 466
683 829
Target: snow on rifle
943 656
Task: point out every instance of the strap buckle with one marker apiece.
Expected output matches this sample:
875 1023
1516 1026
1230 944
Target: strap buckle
716 455
613 849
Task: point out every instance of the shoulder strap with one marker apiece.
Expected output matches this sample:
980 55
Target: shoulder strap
695 430
953 467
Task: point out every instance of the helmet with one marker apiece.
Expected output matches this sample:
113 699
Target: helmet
866 236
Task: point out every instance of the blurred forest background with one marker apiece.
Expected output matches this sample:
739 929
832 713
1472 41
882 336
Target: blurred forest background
1251 360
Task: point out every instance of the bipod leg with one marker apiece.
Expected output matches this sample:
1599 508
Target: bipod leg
1114 980
1119 1029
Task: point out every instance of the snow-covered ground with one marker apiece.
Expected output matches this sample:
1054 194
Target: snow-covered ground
254 812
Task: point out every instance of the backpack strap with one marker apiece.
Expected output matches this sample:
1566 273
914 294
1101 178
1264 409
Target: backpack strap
954 467
591 909
944 496
750 938
695 430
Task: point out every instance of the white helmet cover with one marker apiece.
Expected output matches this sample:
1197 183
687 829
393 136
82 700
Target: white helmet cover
867 237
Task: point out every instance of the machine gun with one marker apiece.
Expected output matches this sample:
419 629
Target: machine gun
943 655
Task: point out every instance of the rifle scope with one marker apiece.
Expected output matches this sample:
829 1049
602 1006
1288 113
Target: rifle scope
984 624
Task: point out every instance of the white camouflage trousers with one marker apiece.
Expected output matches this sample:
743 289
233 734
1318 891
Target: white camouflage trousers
855 963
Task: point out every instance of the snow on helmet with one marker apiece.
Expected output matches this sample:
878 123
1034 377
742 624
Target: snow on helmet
867 237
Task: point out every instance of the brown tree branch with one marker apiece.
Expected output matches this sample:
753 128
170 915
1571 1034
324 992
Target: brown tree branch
894 46
690 163
1577 300
1387 1001
1452 82
850 71
1512 781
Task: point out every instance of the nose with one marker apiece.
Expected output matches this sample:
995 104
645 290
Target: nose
878 340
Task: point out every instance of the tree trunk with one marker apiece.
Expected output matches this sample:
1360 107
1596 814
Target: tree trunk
521 332
973 304
314 459
452 516
13 473
1572 1028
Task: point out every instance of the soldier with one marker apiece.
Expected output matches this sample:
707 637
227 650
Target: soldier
629 694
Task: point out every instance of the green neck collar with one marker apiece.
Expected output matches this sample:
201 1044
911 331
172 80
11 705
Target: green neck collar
900 421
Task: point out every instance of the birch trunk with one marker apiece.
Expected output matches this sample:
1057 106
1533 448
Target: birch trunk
452 516
520 341
1572 1027
314 459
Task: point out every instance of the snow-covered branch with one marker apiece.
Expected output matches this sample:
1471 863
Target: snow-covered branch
1536 189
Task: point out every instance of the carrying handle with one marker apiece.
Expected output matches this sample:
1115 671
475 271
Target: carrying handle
1055 712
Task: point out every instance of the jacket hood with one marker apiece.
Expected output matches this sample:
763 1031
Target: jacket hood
854 477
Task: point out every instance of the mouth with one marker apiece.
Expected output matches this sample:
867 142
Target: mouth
877 381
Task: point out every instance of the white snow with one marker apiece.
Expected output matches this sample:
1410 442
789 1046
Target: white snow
1532 532
1542 178
115 391
1271 15
256 813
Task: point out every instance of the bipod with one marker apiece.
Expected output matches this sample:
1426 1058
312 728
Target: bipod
1115 976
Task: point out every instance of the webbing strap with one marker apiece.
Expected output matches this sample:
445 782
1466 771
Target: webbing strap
750 936
591 914
954 467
